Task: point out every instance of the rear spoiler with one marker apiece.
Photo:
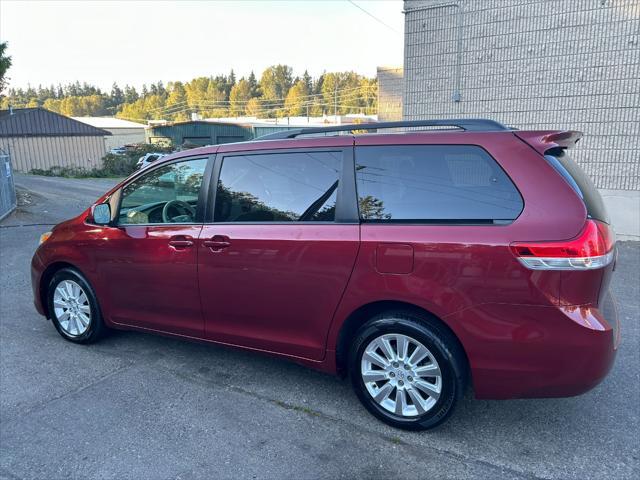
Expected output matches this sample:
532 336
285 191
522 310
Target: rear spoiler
544 140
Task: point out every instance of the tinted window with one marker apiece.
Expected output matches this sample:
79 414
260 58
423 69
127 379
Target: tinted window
168 194
580 182
279 187
438 183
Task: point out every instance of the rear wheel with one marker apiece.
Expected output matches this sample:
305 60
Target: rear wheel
73 307
407 371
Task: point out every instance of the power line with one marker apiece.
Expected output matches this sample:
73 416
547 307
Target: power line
268 110
366 89
311 100
374 17
258 112
275 100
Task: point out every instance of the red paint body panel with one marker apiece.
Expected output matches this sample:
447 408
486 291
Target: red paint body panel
394 258
149 283
288 289
536 351
275 286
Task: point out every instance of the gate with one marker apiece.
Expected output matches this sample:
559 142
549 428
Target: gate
7 188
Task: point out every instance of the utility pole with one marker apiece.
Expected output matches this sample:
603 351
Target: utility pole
335 103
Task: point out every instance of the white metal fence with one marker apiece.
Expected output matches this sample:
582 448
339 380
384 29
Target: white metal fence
7 188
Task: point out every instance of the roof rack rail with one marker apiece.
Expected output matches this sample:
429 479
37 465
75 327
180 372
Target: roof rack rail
467 124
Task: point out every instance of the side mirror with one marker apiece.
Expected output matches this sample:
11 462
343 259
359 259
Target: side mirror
101 214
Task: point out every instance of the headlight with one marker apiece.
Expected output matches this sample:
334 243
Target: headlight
44 237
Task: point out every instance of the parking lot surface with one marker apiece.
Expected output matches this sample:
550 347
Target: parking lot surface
143 406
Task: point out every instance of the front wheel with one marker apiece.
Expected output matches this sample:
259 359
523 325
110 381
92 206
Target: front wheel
407 371
73 307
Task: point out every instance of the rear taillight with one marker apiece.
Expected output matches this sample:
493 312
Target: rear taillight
592 248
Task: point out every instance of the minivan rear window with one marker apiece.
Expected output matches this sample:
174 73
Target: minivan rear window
581 183
433 184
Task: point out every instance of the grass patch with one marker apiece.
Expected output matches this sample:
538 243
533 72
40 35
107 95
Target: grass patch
297 408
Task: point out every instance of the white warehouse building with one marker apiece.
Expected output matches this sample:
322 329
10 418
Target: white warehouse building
123 132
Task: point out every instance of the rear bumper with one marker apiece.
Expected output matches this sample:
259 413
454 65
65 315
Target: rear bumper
522 351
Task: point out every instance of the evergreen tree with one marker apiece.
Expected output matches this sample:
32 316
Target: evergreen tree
5 64
308 81
253 83
130 94
117 96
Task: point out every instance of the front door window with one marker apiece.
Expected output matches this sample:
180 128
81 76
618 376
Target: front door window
168 194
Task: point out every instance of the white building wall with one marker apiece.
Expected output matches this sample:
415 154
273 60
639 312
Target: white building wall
390 86
123 136
534 64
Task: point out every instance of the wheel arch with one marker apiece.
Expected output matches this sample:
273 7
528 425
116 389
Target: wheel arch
365 312
46 277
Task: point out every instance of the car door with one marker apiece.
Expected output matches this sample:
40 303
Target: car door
274 263
150 261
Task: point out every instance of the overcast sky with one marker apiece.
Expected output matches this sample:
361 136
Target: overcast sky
141 42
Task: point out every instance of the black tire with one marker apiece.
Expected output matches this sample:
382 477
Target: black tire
441 345
96 328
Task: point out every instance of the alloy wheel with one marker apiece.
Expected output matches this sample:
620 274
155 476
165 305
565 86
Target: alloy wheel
71 308
401 375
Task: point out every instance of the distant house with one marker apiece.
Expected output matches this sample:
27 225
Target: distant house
233 129
197 133
39 138
123 132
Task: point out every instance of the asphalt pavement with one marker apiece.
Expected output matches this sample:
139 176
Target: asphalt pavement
142 406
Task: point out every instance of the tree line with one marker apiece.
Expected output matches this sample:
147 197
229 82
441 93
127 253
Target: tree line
278 93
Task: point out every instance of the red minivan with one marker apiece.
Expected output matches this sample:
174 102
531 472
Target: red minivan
418 263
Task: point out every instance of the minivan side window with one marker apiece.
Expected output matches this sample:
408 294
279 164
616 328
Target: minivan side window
167 194
278 187
433 184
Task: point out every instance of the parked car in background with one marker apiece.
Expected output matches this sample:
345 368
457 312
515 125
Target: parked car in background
148 159
118 150
419 264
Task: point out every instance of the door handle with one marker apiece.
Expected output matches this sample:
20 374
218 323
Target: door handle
181 241
217 243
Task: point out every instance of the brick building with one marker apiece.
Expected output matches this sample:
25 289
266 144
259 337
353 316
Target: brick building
571 64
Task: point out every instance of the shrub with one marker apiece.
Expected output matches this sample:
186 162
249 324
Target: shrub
119 165
112 165
68 172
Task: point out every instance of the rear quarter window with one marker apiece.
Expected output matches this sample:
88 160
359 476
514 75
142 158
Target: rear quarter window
433 184
581 183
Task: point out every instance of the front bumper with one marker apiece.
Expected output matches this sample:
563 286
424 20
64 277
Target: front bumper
37 269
